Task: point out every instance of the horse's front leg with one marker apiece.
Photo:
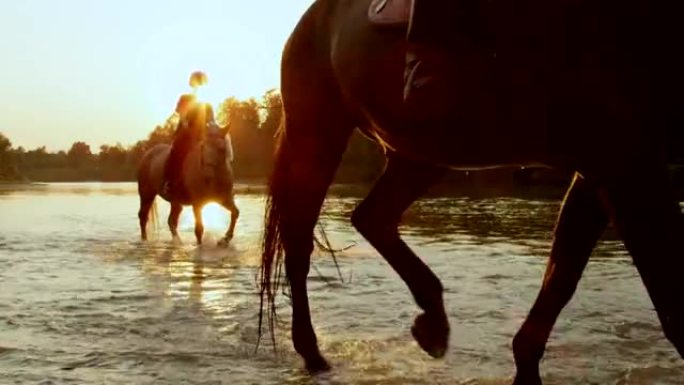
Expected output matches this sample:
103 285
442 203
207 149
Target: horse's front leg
229 204
377 219
174 215
199 225
581 222
651 224
146 203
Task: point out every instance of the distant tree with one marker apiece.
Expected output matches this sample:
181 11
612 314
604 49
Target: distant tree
248 140
136 152
60 159
163 133
112 156
79 154
5 151
241 114
272 110
9 169
5 144
362 161
19 155
36 158
6 161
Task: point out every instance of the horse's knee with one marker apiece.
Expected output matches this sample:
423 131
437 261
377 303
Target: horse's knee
362 221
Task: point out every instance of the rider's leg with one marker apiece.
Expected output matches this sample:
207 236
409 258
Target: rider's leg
172 170
435 31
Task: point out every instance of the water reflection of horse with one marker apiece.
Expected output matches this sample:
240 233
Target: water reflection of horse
572 85
207 176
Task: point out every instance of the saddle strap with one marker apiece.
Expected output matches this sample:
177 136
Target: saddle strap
390 13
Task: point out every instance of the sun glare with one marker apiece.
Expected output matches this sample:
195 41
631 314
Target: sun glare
214 217
208 94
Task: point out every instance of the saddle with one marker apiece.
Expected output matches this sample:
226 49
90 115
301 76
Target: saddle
390 13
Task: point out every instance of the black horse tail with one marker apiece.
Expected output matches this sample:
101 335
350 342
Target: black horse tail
272 250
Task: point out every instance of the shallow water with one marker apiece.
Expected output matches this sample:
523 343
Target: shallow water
82 300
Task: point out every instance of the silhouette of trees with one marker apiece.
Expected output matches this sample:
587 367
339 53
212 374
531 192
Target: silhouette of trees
254 123
8 165
5 144
252 128
79 154
272 112
112 156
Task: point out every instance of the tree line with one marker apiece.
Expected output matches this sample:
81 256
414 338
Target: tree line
253 125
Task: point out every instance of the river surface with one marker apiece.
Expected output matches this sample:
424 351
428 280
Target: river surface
84 301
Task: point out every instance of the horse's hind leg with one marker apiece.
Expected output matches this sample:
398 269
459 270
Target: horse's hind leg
199 225
175 213
581 222
650 222
299 195
309 151
146 202
377 219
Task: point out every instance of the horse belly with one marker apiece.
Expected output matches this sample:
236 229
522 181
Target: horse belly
487 123
494 112
466 148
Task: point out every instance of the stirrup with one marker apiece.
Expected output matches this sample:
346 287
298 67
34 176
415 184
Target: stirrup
415 78
390 13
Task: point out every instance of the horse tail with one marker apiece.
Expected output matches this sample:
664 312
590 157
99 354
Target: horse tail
272 250
272 246
299 179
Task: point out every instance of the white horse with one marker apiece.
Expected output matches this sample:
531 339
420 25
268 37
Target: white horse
207 175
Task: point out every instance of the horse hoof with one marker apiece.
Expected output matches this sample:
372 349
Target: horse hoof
224 242
432 334
317 364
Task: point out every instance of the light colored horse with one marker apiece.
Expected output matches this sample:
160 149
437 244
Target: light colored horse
207 176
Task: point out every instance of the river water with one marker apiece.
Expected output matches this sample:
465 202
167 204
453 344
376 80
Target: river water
83 301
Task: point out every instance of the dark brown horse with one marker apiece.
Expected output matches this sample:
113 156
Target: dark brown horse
207 177
583 86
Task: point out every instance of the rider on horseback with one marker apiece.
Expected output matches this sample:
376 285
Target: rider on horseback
191 123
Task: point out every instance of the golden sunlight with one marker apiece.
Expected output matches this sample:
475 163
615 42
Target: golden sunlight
214 217
211 95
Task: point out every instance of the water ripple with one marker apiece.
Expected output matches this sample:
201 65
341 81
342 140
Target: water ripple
84 301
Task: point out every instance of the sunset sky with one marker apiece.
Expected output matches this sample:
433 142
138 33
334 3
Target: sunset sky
107 71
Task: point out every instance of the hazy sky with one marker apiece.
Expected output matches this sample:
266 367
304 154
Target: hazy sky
107 71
